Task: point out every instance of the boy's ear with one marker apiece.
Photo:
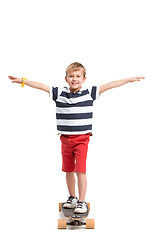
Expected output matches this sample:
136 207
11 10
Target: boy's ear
66 79
84 79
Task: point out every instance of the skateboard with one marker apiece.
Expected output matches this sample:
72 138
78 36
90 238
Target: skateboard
76 219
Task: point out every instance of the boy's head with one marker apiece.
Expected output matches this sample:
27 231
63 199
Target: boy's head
75 76
74 67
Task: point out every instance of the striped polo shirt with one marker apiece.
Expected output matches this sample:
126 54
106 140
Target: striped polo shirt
74 111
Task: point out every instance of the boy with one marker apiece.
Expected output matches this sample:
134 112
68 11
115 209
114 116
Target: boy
74 124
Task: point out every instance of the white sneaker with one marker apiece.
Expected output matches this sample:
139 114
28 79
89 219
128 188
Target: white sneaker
81 207
71 202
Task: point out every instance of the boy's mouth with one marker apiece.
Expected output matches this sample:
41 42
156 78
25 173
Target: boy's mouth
74 83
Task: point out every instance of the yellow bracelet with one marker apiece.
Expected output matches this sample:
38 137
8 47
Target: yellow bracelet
23 81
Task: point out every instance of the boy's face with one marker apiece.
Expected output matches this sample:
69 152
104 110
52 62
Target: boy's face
75 80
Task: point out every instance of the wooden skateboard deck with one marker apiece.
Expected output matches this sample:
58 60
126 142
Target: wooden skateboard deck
76 218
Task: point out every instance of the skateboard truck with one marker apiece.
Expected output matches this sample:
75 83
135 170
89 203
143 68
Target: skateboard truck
76 223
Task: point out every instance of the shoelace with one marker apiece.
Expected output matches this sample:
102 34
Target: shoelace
79 204
70 199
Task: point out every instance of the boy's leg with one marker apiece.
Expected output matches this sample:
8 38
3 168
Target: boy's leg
72 200
70 180
81 154
82 185
68 164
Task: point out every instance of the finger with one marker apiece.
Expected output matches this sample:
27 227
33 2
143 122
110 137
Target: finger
11 77
140 77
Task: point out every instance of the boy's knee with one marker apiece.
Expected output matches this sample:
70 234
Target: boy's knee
80 173
69 173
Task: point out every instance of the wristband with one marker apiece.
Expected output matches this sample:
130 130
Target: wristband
23 81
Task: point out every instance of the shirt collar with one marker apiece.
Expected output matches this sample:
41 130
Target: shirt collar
67 90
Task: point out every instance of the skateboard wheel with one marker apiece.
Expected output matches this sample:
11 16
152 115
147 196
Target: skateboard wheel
90 223
88 204
60 205
62 223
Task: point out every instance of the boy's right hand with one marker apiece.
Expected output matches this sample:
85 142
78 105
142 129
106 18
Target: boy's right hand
15 80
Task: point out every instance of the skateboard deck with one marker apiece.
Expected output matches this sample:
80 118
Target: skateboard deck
76 218
69 212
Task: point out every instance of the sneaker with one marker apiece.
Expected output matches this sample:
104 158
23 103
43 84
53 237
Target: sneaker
71 202
81 207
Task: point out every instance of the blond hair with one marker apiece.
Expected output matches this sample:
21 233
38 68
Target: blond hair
74 67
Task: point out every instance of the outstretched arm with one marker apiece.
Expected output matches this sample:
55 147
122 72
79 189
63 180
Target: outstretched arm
118 83
30 83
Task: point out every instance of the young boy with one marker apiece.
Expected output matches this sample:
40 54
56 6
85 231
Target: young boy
74 112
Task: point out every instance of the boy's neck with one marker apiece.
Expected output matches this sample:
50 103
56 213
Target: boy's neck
76 90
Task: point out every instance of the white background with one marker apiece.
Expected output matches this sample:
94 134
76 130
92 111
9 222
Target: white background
113 40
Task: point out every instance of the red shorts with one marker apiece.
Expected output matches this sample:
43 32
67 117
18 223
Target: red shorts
74 152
